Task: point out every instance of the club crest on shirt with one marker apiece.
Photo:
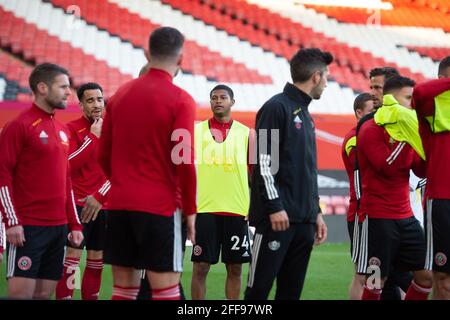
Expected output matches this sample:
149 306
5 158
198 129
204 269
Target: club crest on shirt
274 245
63 136
440 259
24 263
298 122
44 137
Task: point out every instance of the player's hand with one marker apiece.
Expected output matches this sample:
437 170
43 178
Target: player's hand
190 223
90 210
76 238
15 236
96 127
321 230
279 220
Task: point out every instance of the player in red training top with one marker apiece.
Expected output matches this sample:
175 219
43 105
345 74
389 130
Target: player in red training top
37 201
431 102
391 237
146 150
364 104
90 187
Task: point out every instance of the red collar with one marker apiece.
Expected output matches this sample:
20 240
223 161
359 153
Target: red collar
42 112
160 73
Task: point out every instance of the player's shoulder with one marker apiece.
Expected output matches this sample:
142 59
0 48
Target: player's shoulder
350 134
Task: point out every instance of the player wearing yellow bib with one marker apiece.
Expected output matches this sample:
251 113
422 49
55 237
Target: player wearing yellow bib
221 150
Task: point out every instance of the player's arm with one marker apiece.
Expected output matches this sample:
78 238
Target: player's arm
183 139
268 124
12 140
105 144
80 153
419 166
75 228
372 144
94 203
251 153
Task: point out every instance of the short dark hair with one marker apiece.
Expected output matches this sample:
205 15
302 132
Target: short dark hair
223 87
387 72
45 72
307 61
360 101
87 86
444 64
397 82
165 42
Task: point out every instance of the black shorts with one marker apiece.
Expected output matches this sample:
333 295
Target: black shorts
386 244
144 241
437 226
42 254
93 232
214 232
353 234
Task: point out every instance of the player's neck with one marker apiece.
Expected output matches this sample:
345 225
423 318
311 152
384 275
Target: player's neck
169 68
306 87
41 104
222 118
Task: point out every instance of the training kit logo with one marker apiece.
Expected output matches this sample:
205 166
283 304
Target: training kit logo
44 137
24 263
197 250
274 245
440 259
245 255
298 122
374 261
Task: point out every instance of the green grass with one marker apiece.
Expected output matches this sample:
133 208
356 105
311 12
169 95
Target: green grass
329 274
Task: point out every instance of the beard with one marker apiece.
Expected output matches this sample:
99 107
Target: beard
62 104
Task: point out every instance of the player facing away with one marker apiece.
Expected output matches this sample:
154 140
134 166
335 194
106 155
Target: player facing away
36 195
363 105
391 237
90 189
284 201
146 151
431 101
222 148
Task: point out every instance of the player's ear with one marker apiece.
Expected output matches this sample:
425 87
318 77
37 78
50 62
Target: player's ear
42 88
232 102
180 59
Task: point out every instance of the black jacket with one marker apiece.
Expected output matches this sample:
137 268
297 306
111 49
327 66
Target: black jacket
285 178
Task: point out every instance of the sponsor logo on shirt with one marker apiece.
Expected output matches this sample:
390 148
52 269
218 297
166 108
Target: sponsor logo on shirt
44 137
298 122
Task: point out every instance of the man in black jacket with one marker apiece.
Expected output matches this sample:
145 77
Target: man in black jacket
284 205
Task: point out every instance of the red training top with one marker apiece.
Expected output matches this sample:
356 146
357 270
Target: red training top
146 146
35 186
87 175
436 145
385 164
349 163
